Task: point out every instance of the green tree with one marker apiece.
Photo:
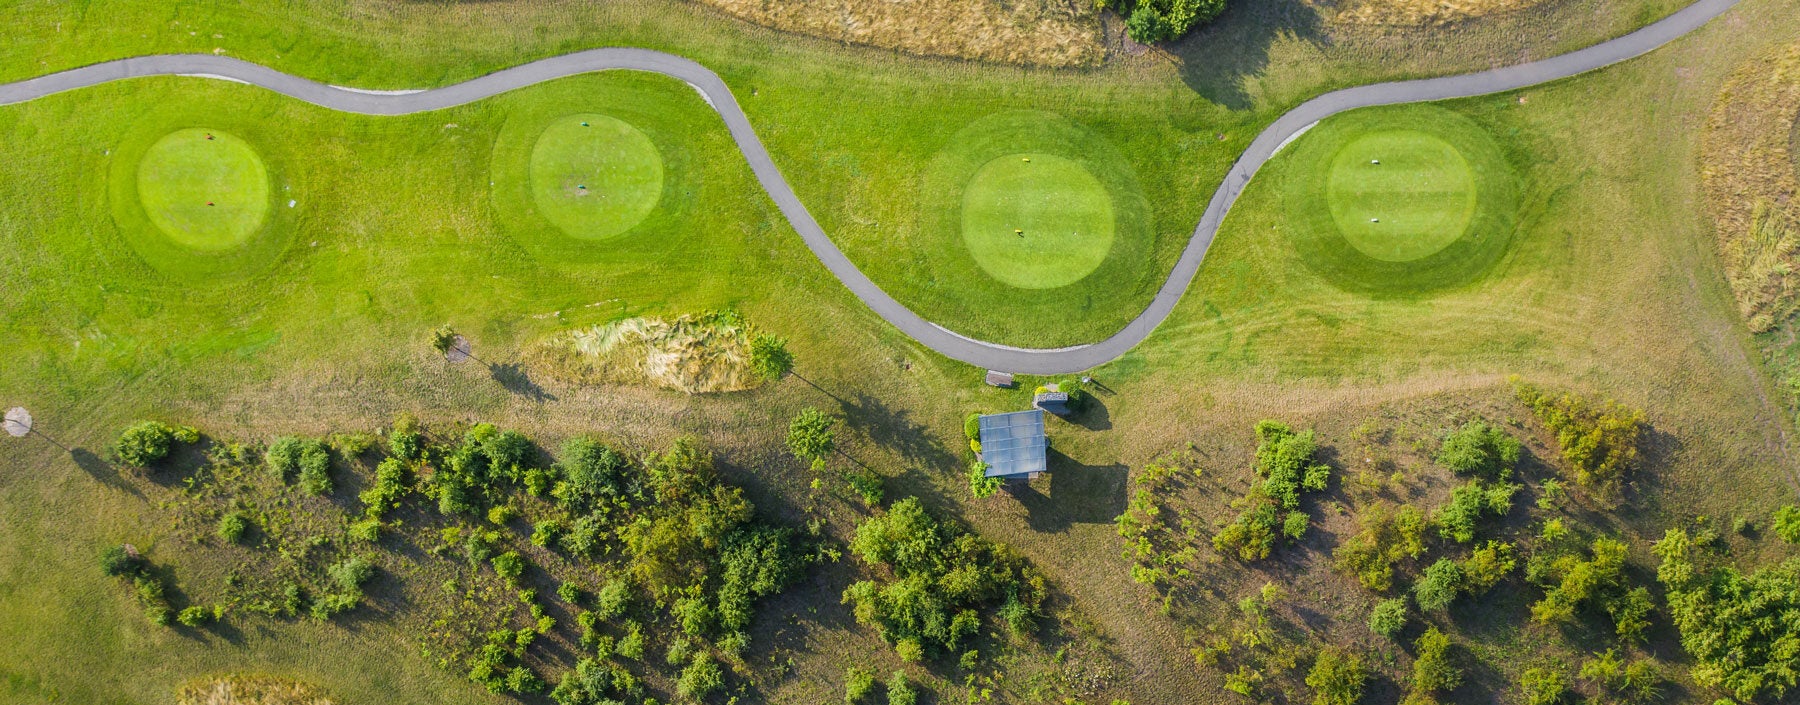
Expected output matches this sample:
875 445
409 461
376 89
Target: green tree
701 678
1439 586
810 436
1487 566
899 691
1598 440
1787 523
232 526
858 684
1337 677
443 339
1739 629
980 485
769 357
145 443
1434 671
1388 617
1481 449
1544 686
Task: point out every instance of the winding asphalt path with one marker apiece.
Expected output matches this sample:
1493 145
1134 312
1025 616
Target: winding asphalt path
719 96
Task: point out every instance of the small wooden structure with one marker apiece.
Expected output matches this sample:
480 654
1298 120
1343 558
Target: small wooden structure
1000 379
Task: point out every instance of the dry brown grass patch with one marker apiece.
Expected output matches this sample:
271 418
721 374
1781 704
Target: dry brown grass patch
1748 171
1035 32
249 690
1414 13
693 354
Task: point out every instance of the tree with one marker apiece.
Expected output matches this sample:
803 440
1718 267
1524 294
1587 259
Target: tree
899 691
1544 686
443 339
769 357
1598 440
1337 678
1787 523
1438 588
1480 449
810 436
858 683
146 442
1388 617
1738 628
1152 21
1468 503
1487 566
701 678
1433 669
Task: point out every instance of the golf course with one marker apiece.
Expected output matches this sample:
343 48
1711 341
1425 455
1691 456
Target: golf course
596 354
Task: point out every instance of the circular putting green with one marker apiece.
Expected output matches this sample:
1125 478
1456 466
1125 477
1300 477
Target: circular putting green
594 176
1037 221
205 189
1400 195
1399 200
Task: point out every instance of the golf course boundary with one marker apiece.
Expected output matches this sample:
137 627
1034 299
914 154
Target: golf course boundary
720 97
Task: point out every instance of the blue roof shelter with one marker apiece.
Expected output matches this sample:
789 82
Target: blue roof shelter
1013 444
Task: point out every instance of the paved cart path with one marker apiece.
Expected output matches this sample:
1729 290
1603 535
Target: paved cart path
719 96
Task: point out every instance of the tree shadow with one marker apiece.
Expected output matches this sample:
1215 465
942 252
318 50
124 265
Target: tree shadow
1216 60
1077 494
895 428
513 378
102 471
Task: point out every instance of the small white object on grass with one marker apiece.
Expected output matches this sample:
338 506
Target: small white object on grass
291 203
18 422
1374 161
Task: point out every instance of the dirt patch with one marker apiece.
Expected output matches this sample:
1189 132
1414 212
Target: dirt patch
1414 13
693 354
1748 171
1060 33
249 690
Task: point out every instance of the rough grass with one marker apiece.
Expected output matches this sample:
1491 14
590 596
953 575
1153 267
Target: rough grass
1749 170
1416 12
693 354
1035 32
249 690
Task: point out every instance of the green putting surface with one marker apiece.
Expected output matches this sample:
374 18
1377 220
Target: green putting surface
1037 221
594 176
1399 200
1400 195
205 189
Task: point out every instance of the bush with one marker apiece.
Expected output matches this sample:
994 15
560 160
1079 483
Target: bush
523 680
899 691
385 494
980 485
546 532
1627 683
351 573
972 426
1480 449
1787 523
309 458
858 684
365 531
701 678
769 356
510 566
232 526
144 443
1284 461
1458 519
810 436
117 561
570 593
1738 628
501 514
591 471
1440 585
1388 617
1433 669
1387 538
1152 21
1599 441
1294 526
612 600
1544 686
1487 566
1337 678
868 486
331 605
406 442
194 616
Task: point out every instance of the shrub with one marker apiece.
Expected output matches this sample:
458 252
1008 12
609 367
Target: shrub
1628 683
1599 441
1387 538
352 572
858 684
523 680
1388 617
1544 686
546 532
1294 525
194 616
115 560
972 426
1433 669
144 443
1439 586
1458 519
1284 461
365 531
1480 449
899 691
385 493
160 615
1738 628
980 485
1631 615
1337 678
510 566
406 442
591 471
1152 21
1572 582
501 514
612 600
570 593
308 458
868 486
810 436
1487 566
769 356
330 605
232 526
631 646
1787 523
701 678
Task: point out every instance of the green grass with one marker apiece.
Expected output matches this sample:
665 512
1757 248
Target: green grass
1404 200
1036 221
205 190
594 176
1400 195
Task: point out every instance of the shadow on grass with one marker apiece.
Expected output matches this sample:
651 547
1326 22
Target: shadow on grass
513 378
102 471
1216 61
1077 494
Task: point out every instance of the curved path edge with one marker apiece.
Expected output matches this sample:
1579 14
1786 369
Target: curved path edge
713 89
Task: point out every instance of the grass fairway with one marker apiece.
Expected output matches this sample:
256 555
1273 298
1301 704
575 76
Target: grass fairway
595 176
1400 196
1401 200
1037 221
206 190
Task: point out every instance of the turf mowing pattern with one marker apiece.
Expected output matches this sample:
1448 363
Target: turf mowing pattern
1400 200
595 176
206 190
1037 221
